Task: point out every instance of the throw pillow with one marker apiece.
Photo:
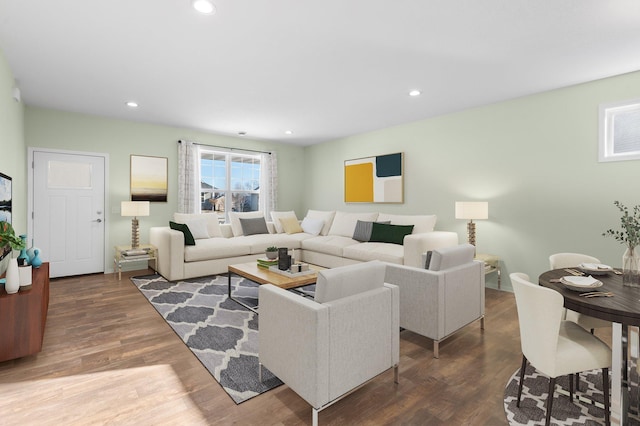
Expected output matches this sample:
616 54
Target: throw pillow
325 216
213 223
394 234
290 225
276 216
252 226
363 230
450 257
198 228
234 218
312 226
188 238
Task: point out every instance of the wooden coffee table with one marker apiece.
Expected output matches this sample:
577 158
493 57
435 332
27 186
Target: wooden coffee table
261 276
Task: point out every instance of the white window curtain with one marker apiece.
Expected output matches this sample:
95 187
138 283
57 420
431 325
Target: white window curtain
269 183
188 177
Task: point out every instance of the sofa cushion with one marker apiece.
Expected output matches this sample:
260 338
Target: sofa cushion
188 238
422 223
329 244
213 222
449 257
365 252
216 248
345 223
276 216
333 284
258 243
290 225
255 225
312 226
385 233
325 216
234 218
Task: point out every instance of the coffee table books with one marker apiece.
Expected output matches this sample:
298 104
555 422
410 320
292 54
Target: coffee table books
263 262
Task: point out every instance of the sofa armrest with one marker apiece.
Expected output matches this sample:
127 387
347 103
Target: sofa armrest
170 245
417 244
291 324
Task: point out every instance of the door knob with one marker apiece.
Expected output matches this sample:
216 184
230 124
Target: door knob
98 220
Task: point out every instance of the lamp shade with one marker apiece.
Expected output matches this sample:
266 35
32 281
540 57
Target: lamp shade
472 210
134 208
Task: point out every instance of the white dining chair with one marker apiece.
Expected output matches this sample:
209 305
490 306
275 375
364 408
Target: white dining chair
572 260
553 346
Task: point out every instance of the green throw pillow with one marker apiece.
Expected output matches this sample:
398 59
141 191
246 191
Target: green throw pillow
383 233
188 237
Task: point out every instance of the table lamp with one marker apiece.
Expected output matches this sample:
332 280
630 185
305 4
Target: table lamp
135 209
472 210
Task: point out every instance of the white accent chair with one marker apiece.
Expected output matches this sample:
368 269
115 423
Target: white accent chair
439 301
323 349
555 347
572 260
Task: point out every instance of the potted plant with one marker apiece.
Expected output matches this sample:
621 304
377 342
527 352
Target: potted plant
629 235
271 252
8 236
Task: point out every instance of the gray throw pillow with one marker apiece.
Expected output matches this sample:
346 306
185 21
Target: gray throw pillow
362 231
252 226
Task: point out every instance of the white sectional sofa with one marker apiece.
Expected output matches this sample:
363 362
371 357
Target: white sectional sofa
324 238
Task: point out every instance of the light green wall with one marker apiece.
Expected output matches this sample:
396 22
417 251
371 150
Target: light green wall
534 159
119 139
12 146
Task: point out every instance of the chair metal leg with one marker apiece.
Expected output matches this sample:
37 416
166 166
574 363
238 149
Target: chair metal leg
607 403
552 387
522 368
314 417
482 322
436 353
571 386
396 375
260 372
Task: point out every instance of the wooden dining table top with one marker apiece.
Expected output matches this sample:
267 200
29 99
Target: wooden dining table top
623 307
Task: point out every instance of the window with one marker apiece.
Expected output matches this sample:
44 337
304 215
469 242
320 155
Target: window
229 182
620 131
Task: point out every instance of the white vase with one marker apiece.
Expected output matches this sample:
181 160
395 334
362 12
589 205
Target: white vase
631 267
12 283
25 276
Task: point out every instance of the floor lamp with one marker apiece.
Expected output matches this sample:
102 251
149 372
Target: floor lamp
134 209
472 210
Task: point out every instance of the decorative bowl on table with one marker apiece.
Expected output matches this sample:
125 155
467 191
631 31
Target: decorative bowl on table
595 268
580 284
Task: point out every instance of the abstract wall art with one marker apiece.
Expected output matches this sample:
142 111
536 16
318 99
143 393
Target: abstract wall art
376 179
149 180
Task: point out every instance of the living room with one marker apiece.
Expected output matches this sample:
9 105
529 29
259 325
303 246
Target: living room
533 158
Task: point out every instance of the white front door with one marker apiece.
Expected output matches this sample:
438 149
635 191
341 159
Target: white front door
68 211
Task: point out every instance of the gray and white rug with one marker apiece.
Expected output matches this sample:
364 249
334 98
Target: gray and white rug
222 334
533 404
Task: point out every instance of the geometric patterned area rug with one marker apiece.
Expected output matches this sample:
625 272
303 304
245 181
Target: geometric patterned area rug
533 403
221 333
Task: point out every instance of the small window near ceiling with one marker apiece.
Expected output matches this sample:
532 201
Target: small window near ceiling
620 131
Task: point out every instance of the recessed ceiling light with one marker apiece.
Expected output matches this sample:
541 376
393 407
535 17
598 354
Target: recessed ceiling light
414 93
288 132
203 6
132 104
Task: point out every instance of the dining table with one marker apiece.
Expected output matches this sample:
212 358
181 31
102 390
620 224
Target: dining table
621 306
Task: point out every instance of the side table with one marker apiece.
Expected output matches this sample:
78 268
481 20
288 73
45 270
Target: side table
121 257
491 264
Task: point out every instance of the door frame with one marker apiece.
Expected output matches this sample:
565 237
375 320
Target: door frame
107 207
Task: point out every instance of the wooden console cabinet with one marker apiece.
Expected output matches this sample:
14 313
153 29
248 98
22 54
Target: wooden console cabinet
23 316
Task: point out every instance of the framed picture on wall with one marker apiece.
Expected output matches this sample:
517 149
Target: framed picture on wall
378 179
149 178
5 208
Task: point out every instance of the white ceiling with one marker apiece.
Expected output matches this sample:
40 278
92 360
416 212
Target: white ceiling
323 69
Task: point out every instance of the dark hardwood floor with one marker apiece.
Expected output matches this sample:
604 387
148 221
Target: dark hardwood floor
109 358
